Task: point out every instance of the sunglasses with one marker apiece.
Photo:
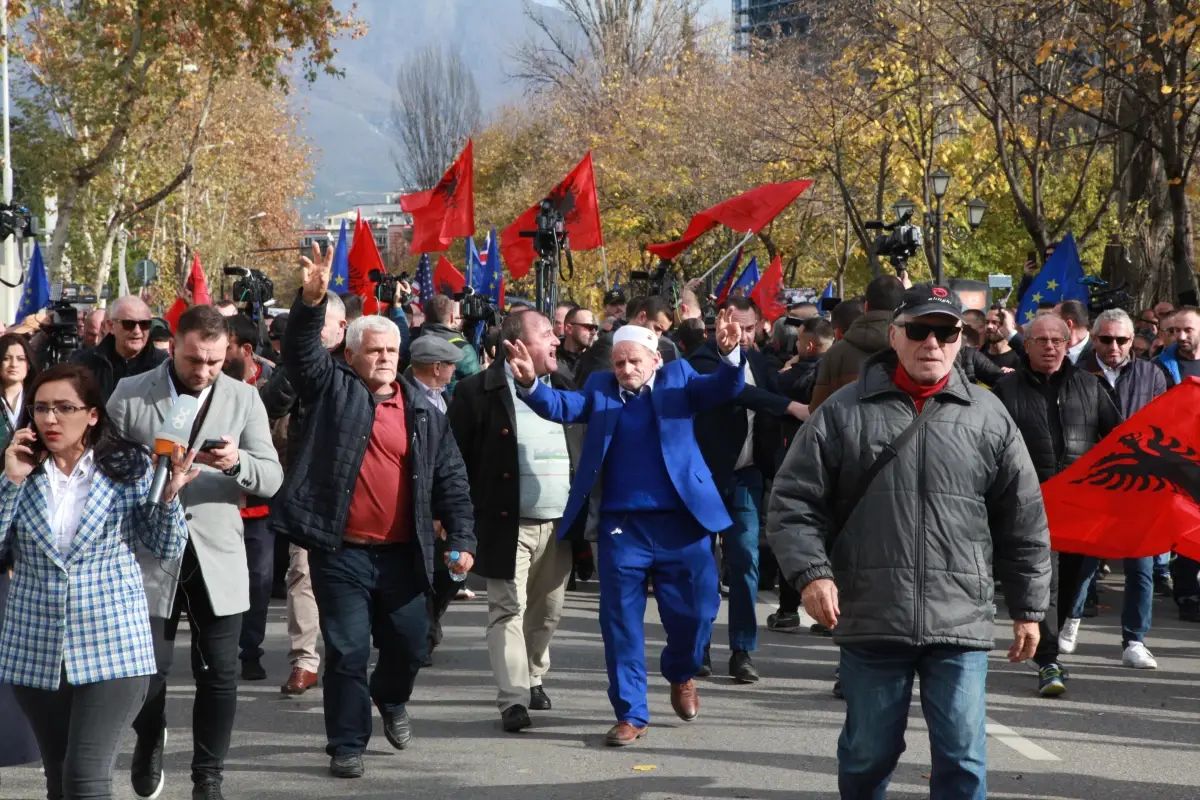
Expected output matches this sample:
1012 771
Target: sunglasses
593 327
1121 340
919 332
130 324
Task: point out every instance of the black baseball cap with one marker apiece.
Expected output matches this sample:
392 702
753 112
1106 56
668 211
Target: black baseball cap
928 298
614 297
278 326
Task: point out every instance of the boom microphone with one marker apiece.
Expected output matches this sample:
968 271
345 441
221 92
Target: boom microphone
176 430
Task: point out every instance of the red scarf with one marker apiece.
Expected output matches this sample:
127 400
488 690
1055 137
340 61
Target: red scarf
916 391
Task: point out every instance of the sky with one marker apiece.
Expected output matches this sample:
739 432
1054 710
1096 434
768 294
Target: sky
713 10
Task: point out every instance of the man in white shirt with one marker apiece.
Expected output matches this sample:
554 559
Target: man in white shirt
1079 343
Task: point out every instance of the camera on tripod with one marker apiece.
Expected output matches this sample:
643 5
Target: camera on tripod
661 282
475 307
902 241
1103 297
551 233
550 242
253 289
62 331
385 287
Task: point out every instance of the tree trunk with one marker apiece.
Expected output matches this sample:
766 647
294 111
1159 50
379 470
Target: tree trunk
104 269
62 229
1183 255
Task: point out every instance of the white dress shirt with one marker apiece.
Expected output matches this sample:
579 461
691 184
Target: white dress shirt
12 412
66 497
1075 352
1111 375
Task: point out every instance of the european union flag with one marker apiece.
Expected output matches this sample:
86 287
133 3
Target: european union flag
339 275
493 283
36 294
748 279
424 280
1059 280
828 291
723 286
473 266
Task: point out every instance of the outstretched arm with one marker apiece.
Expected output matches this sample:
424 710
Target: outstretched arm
566 408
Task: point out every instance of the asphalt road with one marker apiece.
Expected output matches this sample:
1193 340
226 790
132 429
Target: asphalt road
1117 734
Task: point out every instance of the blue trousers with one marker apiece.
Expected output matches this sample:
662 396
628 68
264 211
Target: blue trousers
676 552
877 681
1139 596
739 548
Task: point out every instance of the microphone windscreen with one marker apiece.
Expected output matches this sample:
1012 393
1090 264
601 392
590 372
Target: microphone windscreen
176 428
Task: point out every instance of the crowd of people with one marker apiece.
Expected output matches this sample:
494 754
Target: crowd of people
880 467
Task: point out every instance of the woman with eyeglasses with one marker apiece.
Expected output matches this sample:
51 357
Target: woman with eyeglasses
76 643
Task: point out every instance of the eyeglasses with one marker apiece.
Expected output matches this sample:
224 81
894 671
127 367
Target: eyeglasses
43 410
593 327
130 324
1050 341
919 332
1121 340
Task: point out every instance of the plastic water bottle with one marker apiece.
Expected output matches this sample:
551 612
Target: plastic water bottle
458 576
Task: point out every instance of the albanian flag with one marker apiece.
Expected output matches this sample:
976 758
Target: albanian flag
197 286
749 212
766 292
574 198
447 279
362 259
1137 493
447 211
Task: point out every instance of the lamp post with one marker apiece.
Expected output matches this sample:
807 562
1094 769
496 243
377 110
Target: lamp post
903 207
975 212
940 181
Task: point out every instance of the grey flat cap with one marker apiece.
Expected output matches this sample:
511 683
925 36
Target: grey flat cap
434 349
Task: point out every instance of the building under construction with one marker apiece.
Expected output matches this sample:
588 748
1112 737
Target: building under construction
764 20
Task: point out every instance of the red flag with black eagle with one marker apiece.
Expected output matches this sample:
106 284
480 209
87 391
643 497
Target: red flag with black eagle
575 198
197 287
447 279
362 259
1137 493
447 211
766 292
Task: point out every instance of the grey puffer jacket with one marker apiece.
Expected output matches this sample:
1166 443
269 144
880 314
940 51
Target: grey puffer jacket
914 560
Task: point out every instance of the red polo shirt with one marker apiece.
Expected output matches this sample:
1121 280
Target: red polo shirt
381 508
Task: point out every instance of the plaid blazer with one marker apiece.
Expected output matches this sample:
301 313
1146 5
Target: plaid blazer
86 608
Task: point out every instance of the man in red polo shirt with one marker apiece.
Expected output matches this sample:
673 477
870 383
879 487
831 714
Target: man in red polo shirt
374 464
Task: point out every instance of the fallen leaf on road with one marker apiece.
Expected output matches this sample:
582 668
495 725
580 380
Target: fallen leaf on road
644 768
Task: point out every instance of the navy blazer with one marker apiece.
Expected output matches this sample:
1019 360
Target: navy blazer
679 394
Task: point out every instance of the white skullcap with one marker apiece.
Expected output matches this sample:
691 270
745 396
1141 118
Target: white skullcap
634 333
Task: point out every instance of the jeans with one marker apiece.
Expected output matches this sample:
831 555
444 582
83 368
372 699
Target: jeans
260 560
214 669
877 681
1139 596
366 593
78 730
671 548
1162 566
740 550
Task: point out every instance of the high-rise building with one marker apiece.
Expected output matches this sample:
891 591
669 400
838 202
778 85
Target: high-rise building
763 20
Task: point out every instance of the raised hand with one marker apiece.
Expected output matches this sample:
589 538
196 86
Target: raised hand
729 332
19 458
182 472
521 363
315 274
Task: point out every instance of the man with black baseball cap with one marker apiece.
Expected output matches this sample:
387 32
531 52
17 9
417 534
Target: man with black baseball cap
614 304
895 553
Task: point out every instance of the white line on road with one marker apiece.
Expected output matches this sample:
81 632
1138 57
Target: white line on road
1006 735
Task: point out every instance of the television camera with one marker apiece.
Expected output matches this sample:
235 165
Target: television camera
62 331
551 243
1102 296
901 242
386 285
253 290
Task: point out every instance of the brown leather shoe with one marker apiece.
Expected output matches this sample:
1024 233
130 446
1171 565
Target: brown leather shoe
685 701
623 733
299 682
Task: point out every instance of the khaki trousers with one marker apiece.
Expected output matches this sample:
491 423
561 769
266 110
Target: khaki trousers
524 612
304 624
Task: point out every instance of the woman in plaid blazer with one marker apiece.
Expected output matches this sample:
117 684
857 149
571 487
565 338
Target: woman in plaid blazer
75 643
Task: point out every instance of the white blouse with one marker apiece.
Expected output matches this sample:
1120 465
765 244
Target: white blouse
67 496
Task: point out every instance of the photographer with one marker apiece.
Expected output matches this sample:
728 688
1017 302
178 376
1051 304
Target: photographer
126 350
443 319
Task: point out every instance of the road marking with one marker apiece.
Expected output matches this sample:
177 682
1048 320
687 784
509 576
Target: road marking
1031 750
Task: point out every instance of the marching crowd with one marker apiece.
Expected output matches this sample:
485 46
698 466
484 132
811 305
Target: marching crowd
881 467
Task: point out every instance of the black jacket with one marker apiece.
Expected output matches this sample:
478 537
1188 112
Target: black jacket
483 419
1060 417
312 505
598 357
109 368
796 384
1138 382
721 432
568 362
978 367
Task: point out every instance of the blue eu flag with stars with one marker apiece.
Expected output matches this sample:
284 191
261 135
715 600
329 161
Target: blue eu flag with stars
36 294
339 274
1059 280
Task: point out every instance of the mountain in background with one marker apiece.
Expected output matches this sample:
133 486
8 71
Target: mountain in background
347 119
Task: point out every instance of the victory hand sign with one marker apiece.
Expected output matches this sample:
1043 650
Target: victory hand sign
729 332
315 274
521 363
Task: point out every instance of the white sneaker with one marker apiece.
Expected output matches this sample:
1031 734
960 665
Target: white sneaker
464 594
1068 637
1138 657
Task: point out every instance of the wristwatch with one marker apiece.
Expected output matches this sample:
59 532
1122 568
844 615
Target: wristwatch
233 471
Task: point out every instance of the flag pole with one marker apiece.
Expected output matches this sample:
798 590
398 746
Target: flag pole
604 259
725 258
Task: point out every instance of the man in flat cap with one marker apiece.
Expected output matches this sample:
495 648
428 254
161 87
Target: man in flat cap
658 507
433 361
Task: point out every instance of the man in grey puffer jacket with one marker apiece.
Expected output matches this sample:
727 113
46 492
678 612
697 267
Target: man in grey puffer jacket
911 554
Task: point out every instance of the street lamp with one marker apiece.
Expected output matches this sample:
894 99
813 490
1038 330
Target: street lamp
940 181
903 207
975 212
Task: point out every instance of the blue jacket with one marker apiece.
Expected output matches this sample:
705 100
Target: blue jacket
1169 359
679 394
85 608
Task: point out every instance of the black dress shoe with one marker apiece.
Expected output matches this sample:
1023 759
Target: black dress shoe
741 668
705 665
146 771
398 729
252 670
347 766
515 718
209 790
538 699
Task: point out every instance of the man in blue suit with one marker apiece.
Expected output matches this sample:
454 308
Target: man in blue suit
659 508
